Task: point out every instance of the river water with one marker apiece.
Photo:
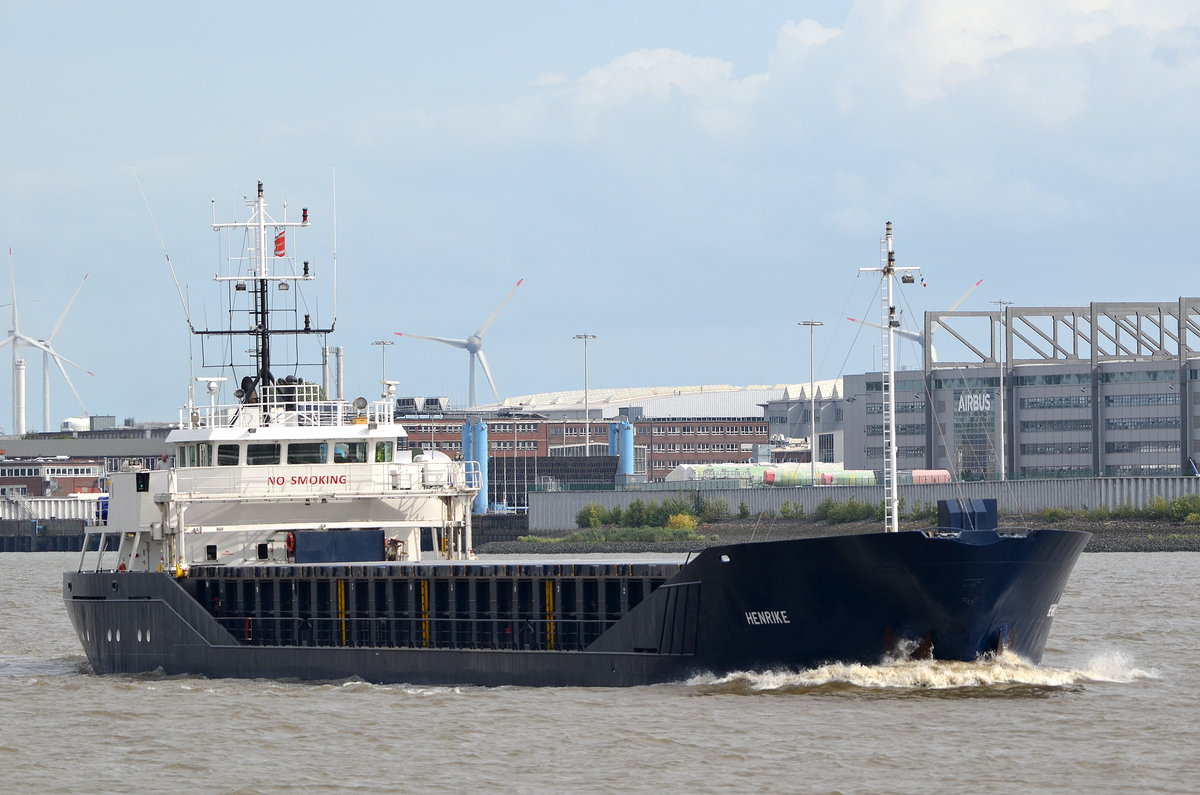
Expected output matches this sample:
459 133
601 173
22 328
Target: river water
1114 706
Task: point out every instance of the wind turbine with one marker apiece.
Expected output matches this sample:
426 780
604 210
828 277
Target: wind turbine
16 339
473 345
919 336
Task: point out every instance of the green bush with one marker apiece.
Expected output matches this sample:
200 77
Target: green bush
791 510
1126 512
589 515
635 514
923 511
714 510
1193 518
823 508
1097 514
1158 508
852 511
743 511
674 505
613 516
1181 507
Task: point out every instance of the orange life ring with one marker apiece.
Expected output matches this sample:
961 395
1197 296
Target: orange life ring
290 543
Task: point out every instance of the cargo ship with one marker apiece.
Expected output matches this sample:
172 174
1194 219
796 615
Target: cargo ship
296 535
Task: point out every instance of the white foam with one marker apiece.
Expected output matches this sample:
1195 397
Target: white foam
1006 669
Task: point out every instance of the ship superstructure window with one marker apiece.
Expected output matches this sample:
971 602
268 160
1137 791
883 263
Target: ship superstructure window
350 452
307 452
227 455
196 455
383 452
262 453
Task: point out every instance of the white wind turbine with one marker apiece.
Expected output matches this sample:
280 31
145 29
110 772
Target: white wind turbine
16 339
473 345
919 336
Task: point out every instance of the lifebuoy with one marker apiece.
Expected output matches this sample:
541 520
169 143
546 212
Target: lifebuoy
290 543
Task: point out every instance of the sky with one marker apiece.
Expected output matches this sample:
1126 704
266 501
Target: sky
685 180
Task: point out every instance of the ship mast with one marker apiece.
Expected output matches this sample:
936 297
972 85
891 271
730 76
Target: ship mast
259 282
891 498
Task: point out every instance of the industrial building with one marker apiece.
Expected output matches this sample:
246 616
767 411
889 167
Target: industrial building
1107 389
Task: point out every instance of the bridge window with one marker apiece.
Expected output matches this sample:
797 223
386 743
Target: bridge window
307 452
262 454
383 452
227 455
350 452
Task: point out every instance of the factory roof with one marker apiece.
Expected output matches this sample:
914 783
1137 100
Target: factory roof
711 400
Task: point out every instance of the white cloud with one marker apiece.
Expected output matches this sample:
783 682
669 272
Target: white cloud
704 90
806 33
936 46
660 75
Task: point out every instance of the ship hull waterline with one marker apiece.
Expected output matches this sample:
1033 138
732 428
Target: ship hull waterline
782 605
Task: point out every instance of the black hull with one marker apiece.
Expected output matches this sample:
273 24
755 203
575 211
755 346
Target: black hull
774 605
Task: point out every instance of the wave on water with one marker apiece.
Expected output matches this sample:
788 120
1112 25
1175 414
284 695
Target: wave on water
991 676
23 666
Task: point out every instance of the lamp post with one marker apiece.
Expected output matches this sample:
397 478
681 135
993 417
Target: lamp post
383 364
587 416
1000 466
812 394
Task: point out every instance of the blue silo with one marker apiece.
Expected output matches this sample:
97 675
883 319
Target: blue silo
623 431
480 448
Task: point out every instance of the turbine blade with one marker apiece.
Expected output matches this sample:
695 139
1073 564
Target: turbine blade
865 323
487 323
70 383
964 296
63 316
443 340
58 357
487 371
12 283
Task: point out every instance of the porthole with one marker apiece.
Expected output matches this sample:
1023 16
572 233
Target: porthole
110 636
69 586
139 636
114 585
118 636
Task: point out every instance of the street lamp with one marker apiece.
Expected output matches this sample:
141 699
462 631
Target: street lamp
1003 344
383 364
812 393
587 416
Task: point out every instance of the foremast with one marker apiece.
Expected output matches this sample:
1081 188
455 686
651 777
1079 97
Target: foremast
891 498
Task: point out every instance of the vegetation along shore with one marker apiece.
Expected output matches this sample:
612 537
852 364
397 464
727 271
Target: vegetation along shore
682 526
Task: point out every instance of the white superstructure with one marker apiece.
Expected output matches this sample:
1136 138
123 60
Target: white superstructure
283 476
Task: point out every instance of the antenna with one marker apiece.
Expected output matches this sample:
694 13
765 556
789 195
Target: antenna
334 323
170 265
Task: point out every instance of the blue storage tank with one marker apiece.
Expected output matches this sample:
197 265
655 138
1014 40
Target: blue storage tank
480 448
625 448
468 442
